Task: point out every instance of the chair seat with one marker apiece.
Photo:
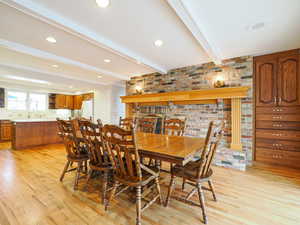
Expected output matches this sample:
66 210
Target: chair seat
189 171
78 158
100 166
133 181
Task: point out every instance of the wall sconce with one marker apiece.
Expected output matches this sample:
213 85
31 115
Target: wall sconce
138 90
219 82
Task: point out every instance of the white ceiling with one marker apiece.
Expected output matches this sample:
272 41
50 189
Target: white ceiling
193 32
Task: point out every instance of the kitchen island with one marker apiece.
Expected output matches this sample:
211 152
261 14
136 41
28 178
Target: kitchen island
34 132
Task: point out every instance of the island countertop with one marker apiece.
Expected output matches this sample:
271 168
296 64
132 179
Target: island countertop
34 132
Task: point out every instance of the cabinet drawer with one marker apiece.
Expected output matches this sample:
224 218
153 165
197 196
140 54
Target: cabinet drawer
278 125
284 158
278 144
278 110
278 134
276 117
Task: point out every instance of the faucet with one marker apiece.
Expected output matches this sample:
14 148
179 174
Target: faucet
28 115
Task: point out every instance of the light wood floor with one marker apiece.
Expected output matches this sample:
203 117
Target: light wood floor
31 194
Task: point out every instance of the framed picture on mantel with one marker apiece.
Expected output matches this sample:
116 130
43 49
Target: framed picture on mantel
2 98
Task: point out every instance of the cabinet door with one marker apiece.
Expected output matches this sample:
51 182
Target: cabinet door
60 102
77 101
265 78
6 132
289 81
69 102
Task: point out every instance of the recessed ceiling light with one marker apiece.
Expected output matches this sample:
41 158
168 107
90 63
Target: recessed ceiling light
158 43
51 39
102 3
138 62
99 76
107 60
55 66
26 79
71 86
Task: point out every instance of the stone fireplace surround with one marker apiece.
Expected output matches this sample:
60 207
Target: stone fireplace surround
235 72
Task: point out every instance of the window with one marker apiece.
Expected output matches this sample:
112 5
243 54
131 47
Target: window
16 100
37 102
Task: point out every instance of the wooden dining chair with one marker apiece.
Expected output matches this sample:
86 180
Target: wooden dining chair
147 125
174 127
128 169
76 150
198 172
126 123
99 158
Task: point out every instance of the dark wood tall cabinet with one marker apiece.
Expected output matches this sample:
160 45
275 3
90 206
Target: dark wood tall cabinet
277 108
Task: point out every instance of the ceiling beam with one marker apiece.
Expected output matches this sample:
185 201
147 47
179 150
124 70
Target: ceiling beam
180 9
54 74
52 18
45 55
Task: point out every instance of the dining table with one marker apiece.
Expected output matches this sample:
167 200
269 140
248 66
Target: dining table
174 149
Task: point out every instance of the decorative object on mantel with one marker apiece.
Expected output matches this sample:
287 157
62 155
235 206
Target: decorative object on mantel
138 90
205 96
219 83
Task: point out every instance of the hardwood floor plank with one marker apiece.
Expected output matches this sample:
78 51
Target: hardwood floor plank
31 194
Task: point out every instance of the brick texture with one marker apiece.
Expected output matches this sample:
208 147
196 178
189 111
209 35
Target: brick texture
235 72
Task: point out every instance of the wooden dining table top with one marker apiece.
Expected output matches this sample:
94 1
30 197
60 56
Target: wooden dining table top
176 149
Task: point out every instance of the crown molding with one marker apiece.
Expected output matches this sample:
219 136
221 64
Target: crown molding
48 16
181 11
45 55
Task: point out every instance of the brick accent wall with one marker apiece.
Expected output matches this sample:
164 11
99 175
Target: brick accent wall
235 72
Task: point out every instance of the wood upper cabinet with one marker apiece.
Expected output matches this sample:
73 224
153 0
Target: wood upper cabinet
289 81
77 101
266 82
69 101
60 101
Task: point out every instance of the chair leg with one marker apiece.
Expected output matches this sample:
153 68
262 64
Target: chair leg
85 167
183 184
65 170
104 187
111 195
88 178
202 202
138 205
211 186
171 186
79 168
158 190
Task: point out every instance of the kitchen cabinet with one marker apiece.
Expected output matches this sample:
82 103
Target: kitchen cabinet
5 130
61 101
77 102
277 108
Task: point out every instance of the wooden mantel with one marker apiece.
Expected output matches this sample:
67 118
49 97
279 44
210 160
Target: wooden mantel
205 96
196 95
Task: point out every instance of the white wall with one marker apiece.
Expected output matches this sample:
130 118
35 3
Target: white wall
107 104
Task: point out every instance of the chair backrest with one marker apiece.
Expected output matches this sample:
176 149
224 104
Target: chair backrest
123 152
64 127
174 127
213 137
147 125
92 134
126 123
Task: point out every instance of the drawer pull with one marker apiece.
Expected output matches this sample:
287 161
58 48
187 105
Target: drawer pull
277 117
277 125
277 134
